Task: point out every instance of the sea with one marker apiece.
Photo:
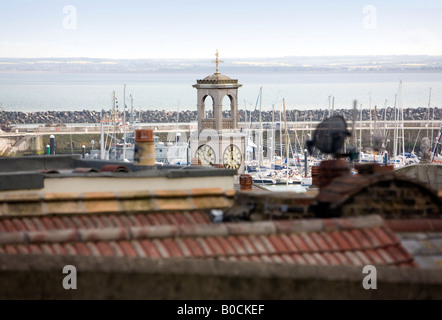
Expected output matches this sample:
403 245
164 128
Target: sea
57 91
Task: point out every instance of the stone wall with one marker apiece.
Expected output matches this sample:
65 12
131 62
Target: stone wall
41 277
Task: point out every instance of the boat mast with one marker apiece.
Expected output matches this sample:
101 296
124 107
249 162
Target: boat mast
286 143
124 122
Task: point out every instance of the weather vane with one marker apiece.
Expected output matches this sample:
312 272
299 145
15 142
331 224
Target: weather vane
217 61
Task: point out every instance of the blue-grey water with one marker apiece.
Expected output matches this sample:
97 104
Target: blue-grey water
40 91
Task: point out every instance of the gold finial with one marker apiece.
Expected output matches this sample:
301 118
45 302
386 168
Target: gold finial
217 61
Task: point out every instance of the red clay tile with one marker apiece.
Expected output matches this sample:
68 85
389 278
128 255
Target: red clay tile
19 225
47 249
133 221
287 259
172 219
374 257
78 223
291 247
127 249
93 249
87 222
125 221
142 220
372 237
105 249
116 222
320 241
236 245
383 236
364 243
200 217
67 222
309 258
265 258
299 243
9 226
21 248
246 244
320 259
153 219
194 247
58 223
161 248
118 252
276 258
11 249
58 249
362 256
385 256
70 249
49 225
30 226
161 218
299 259
98 223
396 254
309 242
354 244
215 245
208 252
187 218
267 244
226 246
2 227
330 258
182 245
138 249
174 249
81 248
342 258
150 249
278 244
354 259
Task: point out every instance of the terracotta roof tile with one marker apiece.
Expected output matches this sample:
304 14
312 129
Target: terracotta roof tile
299 243
309 242
226 246
70 249
128 249
208 252
216 247
240 250
93 249
139 249
150 249
299 259
319 241
310 259
194 247
330 258
118 252
161 235
354 244
287 259
354 259
342 258
340 241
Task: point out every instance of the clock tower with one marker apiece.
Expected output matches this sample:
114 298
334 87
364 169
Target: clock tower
218 140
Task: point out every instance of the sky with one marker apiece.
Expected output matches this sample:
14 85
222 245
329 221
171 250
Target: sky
144 29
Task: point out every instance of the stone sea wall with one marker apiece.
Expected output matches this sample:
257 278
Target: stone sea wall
10 118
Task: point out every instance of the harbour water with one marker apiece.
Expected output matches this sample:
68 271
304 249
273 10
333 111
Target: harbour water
48 91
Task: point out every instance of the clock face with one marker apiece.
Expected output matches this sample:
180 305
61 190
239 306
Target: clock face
206 155
232 157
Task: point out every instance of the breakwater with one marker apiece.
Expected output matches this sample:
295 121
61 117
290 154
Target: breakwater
11 118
